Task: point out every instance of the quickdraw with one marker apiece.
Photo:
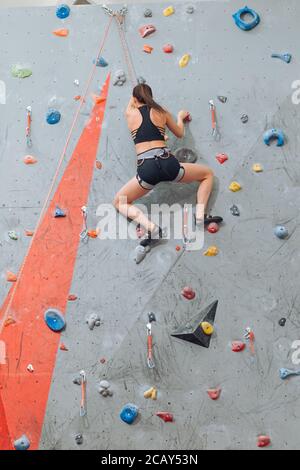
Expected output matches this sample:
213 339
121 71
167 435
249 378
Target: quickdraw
83 394
28 128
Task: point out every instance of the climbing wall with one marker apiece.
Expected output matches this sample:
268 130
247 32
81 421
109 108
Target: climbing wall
254 277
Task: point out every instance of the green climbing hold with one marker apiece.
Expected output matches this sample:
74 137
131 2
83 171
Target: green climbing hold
18 71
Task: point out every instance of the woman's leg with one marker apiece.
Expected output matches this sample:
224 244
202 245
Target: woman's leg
205 176
123 203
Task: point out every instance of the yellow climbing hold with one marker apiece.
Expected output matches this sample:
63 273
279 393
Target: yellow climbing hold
234 187
211 251
184 60
207 328
168 11
151 393
257 168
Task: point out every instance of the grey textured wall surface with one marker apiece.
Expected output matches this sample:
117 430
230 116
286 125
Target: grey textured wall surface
255 277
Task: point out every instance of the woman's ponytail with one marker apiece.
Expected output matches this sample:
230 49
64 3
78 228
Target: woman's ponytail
143 94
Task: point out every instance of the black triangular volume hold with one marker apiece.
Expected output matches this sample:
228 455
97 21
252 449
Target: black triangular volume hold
192 332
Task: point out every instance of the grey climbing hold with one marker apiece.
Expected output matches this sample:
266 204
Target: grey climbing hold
285 373
140 253
148 13
235 210
273 134
190 9
77 380
223 99
13 235
141 80
185 155
93 320
285 57
23 443
244 118
79 439
119 78
104 389
281 232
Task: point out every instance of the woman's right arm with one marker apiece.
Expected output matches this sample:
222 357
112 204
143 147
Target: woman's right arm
177 128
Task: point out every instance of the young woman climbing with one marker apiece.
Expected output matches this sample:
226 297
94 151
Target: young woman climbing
147 121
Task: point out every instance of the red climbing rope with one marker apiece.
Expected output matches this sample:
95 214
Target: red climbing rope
55 177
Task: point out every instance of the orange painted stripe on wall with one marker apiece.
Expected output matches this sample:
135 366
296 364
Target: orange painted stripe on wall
45 282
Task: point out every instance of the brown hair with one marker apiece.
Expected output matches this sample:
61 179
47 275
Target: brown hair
144 95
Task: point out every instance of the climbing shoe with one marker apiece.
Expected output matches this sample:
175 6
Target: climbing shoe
152 237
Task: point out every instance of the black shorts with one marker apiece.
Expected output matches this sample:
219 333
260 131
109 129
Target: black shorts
157 165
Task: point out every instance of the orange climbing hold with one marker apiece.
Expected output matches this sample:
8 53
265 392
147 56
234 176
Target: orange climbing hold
98 99
98 165
61 32
93 233
11 277
77 97
29 233
29 160
148 49
63 347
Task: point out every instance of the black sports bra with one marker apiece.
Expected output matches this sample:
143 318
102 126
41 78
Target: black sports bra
147 131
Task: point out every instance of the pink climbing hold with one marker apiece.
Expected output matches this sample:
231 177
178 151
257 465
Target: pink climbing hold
165 416
147 30
214 393
238 346
213 228
263 441
222 158
168 48
188 293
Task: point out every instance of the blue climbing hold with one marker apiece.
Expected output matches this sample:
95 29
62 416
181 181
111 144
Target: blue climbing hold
101 62
281 232
272 134
54 320
285 57
53 116
22 443
246 25
59 212
63 11
285 373
129 413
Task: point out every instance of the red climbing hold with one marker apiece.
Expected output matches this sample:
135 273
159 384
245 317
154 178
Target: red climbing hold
98 165
188 118
188 293
103 360
72 297
147 30
29 233
63 347
168 48
222 158
178 248
93 233
167 417
213 227
214 393
238 346
263 441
